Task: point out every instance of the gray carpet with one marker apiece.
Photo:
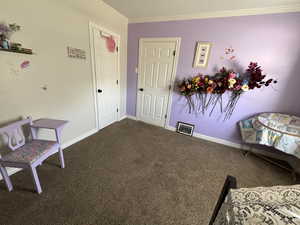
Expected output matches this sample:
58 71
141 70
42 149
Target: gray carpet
136 174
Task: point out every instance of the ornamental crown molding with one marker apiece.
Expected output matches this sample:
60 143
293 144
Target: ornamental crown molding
218 14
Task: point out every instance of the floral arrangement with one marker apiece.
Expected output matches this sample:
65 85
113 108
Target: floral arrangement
209 90
7 30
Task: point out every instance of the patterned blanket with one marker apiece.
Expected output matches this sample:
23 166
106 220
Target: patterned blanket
273 129
278 205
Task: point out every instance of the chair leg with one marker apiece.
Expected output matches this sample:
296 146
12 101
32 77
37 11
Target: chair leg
36 180
6 178
61 158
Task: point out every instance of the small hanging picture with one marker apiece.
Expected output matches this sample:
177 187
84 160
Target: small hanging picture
76 53
202 54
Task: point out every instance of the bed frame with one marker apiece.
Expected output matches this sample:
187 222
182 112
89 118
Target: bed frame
230 183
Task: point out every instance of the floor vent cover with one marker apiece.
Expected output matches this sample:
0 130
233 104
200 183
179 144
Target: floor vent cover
185 128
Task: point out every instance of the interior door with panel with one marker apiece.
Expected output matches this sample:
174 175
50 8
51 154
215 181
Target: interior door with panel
106 69
156 70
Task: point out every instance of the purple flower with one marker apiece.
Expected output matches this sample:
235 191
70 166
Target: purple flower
4 28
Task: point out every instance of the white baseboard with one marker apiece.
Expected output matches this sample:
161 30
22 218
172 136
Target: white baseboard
212 139
129 117
123 118
65 145
80 138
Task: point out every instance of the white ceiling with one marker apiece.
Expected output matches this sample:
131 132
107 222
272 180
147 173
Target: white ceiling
144 10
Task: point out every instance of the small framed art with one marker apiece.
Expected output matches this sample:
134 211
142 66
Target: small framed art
76 53
185 128
202 54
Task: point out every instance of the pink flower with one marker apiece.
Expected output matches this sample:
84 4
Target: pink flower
237 87
232 75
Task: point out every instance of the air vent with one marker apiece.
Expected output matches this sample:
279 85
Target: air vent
185 128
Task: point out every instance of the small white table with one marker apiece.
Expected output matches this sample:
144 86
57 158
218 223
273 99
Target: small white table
56 125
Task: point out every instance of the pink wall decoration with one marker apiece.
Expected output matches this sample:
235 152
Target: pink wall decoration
111 44
25 64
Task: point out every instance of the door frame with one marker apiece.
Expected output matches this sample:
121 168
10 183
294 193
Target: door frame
177 40
93 26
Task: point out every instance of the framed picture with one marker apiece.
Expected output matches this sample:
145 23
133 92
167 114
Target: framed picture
185 128
202 54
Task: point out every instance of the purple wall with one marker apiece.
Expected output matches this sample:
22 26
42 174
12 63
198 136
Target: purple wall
271 40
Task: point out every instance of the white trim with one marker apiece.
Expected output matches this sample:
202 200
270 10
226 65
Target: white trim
177 41
93 26
131 117
65 145
123 118
224 13
128 117
78 139
173 77
212 139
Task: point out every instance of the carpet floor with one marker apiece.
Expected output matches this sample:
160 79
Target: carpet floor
131 173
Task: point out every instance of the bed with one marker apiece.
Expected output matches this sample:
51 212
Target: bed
278 205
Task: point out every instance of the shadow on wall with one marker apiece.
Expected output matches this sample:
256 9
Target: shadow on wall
289 97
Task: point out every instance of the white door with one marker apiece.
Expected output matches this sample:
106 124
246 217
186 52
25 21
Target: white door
157 67
106 69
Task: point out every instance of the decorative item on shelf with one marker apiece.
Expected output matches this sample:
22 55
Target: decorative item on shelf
6 32
202 54
76 53
15 46
5 44
209 90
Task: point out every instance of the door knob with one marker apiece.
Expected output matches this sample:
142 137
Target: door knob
141 89
99 91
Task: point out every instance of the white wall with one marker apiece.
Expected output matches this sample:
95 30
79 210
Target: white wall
48 27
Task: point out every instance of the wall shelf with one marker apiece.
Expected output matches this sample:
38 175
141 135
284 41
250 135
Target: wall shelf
16 51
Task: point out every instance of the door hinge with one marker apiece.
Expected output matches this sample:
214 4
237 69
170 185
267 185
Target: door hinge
170 87
174 52
117 110
117 49
166 116
117 82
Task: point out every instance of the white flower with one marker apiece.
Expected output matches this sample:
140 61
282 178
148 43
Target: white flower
245 87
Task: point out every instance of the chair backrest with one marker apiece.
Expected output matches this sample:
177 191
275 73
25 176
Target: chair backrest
14 133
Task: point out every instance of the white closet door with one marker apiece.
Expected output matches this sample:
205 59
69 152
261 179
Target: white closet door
156 65
106 68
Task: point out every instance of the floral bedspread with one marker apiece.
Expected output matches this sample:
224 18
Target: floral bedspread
273 129
278 205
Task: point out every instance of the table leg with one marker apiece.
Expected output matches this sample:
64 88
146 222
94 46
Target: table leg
60 151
